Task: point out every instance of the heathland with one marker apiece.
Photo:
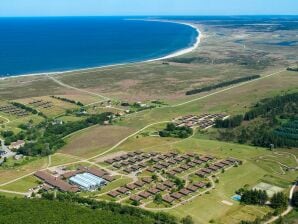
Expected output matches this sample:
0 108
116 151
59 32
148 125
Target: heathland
145 97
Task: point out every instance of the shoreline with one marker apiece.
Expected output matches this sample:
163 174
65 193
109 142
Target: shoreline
171 55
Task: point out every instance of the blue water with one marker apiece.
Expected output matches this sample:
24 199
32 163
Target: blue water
236 197
35 45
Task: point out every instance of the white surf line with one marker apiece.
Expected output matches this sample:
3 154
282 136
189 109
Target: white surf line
78 89
127 64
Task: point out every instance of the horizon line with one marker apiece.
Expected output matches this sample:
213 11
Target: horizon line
213 15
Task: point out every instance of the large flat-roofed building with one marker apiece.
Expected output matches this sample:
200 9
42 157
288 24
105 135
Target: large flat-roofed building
87 181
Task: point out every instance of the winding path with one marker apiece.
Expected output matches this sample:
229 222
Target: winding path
287 211
7 120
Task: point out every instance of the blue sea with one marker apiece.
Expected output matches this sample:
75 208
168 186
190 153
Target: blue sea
39 45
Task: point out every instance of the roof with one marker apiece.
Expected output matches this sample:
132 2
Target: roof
122 190
191 164
161 187
192 188
200 173
206 170
110 161
139 183
131 186
145 194
169 183
17 143
185 167
56 182
108 178
153 190
176 195
147 179
200 184
178 170
204 159
220 165
184 191
97 172
135 198
214 168
197 161
113 193
171 172
151 169
168 199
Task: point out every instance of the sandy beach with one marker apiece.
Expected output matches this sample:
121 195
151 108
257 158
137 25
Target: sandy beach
174 54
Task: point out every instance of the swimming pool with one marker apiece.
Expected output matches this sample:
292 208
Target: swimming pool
236 197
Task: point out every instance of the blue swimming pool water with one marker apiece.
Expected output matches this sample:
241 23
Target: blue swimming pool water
236 197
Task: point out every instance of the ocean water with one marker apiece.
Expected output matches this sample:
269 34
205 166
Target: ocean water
38 45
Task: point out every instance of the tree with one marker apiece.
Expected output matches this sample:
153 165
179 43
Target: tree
154 177
187 220
158 198
253 197
295 199
279 201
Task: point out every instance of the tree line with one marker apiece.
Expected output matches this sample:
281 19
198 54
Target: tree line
156 217
32 211
28 109
222 84
68 100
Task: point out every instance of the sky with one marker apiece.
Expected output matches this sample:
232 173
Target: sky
146 7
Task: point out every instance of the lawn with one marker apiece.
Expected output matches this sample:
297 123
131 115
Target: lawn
22 185
94 140
9 174
210 206
59 159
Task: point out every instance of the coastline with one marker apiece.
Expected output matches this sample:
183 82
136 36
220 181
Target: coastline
172 55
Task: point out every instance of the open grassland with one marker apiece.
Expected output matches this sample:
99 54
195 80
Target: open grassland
57 106
231 101
95 140
59 159
225 53
22 185
14 122
8 174
210 206
30 86
10 195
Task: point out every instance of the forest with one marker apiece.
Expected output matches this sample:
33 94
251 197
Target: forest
272 122
32 211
